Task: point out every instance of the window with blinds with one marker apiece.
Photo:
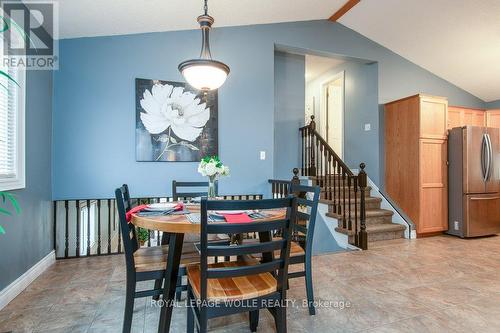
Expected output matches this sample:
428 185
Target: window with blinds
11 131
8 117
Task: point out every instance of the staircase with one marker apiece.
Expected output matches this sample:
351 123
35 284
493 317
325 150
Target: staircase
347 195
378 221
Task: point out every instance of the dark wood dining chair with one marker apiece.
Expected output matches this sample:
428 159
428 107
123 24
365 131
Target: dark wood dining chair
142 263
244 285
302 237
202 192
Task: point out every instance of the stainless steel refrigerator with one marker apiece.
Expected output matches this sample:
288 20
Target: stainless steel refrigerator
474 181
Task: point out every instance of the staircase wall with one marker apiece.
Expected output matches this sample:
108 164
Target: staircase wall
289 95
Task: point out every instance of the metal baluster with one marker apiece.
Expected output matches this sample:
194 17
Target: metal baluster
66 235
338 176
344 220
333 183
88 227
320 159
312 125
356 223
119 230
109 226
149 231
98 227
363 236
302 150
349 183
77 228
54 233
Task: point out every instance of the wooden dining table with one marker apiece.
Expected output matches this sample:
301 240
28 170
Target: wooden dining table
176 226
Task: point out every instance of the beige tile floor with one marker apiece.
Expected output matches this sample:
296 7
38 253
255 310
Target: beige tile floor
438 284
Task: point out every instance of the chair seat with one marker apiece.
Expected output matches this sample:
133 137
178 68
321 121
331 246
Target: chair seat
235 288
154 258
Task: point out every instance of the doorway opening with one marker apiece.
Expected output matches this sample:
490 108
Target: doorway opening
325 99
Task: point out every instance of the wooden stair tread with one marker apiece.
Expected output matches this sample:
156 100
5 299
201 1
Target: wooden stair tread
375 228
367 200
154 258
235 288
369 213
336 188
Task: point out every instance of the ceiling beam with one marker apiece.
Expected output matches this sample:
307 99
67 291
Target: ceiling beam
344 9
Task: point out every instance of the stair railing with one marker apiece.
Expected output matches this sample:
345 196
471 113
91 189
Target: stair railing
344 191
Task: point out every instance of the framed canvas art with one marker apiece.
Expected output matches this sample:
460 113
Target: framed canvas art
174 122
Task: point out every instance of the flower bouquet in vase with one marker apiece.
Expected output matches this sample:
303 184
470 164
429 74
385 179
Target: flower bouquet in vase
212 167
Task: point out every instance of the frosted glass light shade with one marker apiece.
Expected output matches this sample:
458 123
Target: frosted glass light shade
204 74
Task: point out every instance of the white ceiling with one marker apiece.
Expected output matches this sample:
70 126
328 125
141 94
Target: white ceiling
458 40
315 65
83 18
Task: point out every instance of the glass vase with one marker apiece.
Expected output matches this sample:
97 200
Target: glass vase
211 187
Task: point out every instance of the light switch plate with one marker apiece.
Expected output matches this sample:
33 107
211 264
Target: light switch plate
368 127
262 155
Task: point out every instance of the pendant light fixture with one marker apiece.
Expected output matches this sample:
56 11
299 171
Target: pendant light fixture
204 73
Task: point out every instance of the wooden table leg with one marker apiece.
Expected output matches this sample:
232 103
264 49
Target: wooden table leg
173 262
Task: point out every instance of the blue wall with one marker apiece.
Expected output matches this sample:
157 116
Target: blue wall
493 105
94 101
28 236
289 95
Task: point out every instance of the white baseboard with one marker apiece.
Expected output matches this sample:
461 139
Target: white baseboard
15 288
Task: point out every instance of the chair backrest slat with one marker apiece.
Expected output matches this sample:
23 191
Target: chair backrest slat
303 216
239 250
266 244
223 228
201 192
213 273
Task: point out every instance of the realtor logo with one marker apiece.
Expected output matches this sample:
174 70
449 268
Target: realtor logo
29 30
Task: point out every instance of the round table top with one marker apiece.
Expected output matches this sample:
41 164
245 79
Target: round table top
179 223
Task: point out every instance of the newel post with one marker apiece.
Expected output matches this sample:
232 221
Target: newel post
363 236
312 145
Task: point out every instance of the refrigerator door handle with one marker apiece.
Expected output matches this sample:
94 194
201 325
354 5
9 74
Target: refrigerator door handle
490 157
483 157
488 198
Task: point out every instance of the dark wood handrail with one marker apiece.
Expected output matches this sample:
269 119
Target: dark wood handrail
344 191
327 147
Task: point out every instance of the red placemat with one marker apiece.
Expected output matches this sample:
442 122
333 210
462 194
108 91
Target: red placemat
237 218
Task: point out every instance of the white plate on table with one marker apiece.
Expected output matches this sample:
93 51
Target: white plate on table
161 206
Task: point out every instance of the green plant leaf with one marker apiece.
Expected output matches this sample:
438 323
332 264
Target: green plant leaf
2 230
13 201
10 78
5 212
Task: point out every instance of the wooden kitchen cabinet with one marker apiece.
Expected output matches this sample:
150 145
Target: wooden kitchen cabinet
493 118
474 117
455 117
416 176
459 116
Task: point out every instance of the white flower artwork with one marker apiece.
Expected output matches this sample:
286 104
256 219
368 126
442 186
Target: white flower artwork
174 122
